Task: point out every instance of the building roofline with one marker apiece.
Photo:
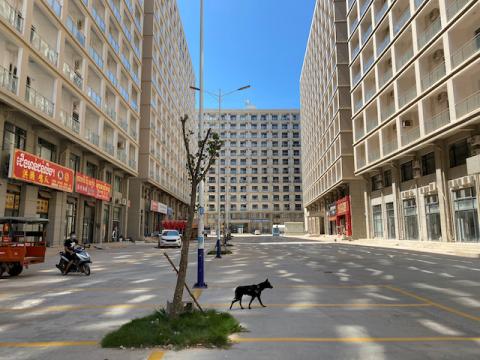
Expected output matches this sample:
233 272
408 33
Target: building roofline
309 35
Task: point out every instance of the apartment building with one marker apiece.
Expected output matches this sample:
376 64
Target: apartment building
69 113
257 181
415 90
162 190
332 194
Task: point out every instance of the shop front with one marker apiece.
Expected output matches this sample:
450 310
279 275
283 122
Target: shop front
344 217
158 212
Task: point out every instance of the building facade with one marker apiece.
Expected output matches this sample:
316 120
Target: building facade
415 90
162 189
69 107
333 196
257 181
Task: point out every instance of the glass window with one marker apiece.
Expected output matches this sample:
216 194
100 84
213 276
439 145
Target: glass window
411 222
46 150
466 216
117 184
377 221
432 212
74 162
13 136
377 182
91 170
428 164
390 220
458 153
406 170
387 178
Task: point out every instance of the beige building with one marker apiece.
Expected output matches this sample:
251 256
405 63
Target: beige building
415 90
162 189
69 98
259 170
332 195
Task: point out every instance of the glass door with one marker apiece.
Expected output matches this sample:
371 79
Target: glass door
466 216
432 212
390 220
410 217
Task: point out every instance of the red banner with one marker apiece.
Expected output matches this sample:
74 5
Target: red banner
92 187
30 168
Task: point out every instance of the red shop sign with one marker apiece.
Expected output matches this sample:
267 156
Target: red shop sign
33 169
92 187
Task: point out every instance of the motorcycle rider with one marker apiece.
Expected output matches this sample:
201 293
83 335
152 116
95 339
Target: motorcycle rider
69 246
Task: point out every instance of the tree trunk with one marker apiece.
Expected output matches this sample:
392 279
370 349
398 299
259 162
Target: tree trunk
182 269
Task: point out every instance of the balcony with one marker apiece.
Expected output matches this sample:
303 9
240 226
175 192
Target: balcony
135 77
12 16
98 19
368 63
133 133
407 96
383 78
134 105
453 9
108 148
356 78
70 120
123 124
96 57
437 121
132 163
410 135
39 101
122 155
364 7
404 17
8 80
94 96
72 75
369 94
366 34
114 43
77 34
373 155
112 78
129 6
383 45
127 32
358 105
92 136
355 51
387 111
110 111
426 35
354 25
389 146
467 50
43 47
125 61
468 104
55 6
404 58
433 76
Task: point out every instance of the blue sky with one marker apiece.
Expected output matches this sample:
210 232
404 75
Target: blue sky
256 42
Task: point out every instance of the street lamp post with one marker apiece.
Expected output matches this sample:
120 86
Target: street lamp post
219 96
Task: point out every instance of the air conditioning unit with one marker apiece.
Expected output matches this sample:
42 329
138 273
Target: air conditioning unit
124 201
434 14
77 64
474 140
79 24
442 97
406 123
438 55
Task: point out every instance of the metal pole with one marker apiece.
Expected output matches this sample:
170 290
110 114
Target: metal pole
201 196
219 252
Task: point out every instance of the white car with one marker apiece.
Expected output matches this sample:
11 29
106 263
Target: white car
170 238
258 232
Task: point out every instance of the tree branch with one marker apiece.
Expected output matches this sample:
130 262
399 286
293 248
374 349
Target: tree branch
187 146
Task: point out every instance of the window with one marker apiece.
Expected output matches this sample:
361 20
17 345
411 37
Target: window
286 206
390 220
91 170
297 189
411 222
377 221
264 188
286 198
376 182
298 207
265 197
13 136
387 178
406 171
284 161
458 153
428 164
117 184
432 211
74 162
466 217
286 188
265 206
264 161
286 179
46 150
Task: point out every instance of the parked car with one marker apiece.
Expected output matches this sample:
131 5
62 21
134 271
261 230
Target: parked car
170 238
258 232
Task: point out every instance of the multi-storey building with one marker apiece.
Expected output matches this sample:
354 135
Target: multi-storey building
162 189
69 109
332 195
415 89
259 170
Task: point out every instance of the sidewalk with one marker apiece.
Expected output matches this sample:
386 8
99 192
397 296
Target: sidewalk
471 250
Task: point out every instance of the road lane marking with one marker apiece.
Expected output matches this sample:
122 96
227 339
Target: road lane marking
156 355
353 339
311 306
434 304
47 344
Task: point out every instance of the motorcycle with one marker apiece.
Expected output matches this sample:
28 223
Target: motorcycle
80 263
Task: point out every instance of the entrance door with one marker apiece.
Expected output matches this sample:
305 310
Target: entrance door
466 216
390 220
88 221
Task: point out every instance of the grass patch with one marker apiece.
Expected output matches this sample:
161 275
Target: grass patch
189 329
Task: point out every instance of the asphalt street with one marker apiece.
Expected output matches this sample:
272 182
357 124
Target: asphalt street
329 301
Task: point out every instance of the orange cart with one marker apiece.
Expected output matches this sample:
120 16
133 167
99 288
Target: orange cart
22 243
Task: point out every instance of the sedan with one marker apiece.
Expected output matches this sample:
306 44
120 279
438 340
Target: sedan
170 238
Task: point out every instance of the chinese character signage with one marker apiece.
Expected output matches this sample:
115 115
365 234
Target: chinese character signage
30 168
156 206
92 187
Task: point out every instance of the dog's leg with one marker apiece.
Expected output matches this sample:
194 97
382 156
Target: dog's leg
260 300
250 303
241 303
233 302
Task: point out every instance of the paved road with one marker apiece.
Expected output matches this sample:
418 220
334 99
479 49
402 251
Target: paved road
330 301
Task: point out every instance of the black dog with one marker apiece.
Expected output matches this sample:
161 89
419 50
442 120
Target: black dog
252 290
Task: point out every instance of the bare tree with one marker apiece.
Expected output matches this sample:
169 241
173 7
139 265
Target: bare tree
198 164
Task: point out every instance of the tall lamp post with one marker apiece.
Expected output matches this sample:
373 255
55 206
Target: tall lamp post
219 96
